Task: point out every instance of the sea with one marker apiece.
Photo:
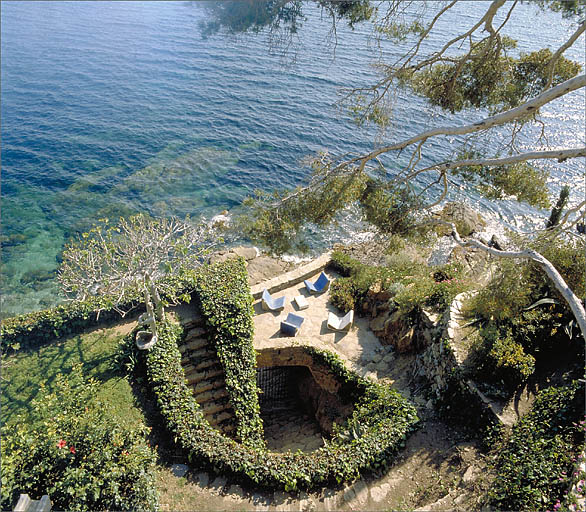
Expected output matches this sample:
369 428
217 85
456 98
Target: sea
113 108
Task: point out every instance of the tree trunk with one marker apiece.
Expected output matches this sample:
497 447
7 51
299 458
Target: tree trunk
575 304
150 311
156 298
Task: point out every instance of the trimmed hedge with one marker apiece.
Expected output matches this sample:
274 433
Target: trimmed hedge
225 302
381 421
41 327
534 466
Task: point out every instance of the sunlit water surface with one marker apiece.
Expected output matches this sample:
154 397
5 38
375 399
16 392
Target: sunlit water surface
114 108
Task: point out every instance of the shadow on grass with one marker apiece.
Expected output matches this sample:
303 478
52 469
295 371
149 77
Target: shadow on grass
23 372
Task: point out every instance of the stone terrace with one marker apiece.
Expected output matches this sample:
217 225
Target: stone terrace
359 347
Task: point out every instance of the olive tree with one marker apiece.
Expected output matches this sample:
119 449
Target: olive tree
120 262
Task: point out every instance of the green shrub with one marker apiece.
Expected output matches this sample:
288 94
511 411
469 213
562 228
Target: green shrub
226 304
382 419
533 468
517 284
344 264
342 294
510 362
78 453
413 285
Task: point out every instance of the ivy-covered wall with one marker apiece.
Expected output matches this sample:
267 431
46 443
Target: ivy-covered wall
42 327
225 302
381 421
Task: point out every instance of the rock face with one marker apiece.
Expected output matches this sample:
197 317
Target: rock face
467 221
260 267
394 328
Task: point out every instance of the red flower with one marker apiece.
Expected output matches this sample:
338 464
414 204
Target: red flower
62 443
72 449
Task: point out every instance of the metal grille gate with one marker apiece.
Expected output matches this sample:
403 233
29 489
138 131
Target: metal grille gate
276 384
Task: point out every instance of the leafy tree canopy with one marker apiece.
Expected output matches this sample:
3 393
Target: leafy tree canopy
479 69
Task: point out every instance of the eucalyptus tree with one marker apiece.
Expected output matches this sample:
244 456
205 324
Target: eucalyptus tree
135 257
475 71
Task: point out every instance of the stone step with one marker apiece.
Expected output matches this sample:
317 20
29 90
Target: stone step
197 356
193 322
211 408
197 332
208 363
207 385
196 344
203 353
223 418
196 377
210 396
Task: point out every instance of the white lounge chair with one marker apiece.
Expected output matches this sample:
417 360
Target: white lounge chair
269 303
340 324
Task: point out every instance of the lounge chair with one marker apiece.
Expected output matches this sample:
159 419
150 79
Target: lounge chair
321 285
291 325
340 324
269 303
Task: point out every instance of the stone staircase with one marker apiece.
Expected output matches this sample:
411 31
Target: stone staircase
205 376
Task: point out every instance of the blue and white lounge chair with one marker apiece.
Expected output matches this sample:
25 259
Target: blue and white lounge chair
321 285
291 325
340 324
269 303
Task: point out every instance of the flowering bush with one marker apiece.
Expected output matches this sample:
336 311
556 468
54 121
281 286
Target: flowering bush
77 453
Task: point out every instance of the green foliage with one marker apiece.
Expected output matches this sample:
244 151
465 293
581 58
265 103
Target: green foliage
508 360
42 327
517 285
533 468
279 219
382 416
528 318
226 304
276 15
556 212
390 210
435 290
344 264
75 450
411 285
568 8
527 184
488 78
342 293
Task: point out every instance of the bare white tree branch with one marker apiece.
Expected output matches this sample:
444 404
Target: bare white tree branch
574 302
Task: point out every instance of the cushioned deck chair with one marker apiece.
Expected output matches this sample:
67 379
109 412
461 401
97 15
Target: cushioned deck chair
340 324
321 285
291 325
269 303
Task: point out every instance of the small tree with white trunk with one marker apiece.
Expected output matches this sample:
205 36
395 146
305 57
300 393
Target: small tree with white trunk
123 261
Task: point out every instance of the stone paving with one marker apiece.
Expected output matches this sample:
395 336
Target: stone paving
359 346
290 429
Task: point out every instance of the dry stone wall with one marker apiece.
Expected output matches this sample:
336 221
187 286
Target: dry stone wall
318 390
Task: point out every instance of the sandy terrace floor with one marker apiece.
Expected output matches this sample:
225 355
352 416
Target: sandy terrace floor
359 345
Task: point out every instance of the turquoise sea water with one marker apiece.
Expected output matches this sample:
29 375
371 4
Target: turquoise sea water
110 108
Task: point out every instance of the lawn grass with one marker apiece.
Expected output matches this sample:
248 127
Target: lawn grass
96 350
